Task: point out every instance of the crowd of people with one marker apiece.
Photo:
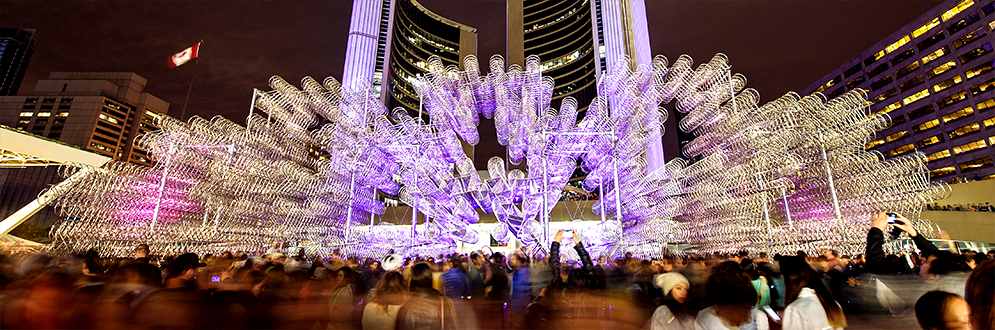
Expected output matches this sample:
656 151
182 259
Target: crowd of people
976 207
480 290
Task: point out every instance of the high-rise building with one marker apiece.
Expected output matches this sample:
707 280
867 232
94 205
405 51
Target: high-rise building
99 111
16 48
577 40
390 42
935 78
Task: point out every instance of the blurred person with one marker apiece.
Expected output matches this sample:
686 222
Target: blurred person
426 307
341 304
188 307
521 289
733 299
42 304
388 297
241 307
673 313
456 285
497 291
568 301
937 310
371 276
810 305
980 295
129 286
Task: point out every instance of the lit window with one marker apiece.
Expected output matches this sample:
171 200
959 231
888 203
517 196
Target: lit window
989 103
109 118
941 69
989 122
983 87
991 25
978 70
892 107
934 55
878 55
980 162
938 155
927 125
969 38
946 84
963 131
897 44
957 115
24 121
896 136
915 97
44 114
929 141
957 9
952 99
874 143
926 27
902 149
63 114
980 144
27 114
942 171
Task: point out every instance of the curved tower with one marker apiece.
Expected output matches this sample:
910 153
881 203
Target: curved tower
390 42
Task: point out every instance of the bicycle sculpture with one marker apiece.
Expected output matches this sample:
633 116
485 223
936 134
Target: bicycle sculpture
791 174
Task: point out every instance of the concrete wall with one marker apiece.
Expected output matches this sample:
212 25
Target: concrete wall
965 226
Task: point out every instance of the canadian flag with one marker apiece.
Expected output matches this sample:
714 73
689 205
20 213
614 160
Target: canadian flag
182 57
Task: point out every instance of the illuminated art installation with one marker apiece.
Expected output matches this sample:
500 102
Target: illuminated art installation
307 168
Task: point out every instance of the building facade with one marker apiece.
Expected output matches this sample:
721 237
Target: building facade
16 48
390 42
100 111
934 77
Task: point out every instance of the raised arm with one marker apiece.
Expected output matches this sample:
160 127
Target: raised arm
875 241
554 255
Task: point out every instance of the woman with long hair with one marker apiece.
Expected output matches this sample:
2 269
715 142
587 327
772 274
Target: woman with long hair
980 294
341 300
810 305
426 307
389 295
672 314
733 299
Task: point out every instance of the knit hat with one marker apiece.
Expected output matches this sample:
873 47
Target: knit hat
667 281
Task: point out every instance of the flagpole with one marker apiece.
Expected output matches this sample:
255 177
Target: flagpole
189 88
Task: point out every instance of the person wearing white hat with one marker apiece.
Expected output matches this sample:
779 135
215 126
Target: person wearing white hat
672 314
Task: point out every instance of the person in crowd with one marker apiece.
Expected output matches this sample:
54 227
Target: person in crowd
341 299
733 299
455 283
142 253
980 295
241 307
810 305
521 289
938 310
188 307
759 282
479 273
568 303
388 297
672 314
426 307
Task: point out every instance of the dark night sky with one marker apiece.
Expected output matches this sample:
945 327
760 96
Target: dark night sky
779 45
